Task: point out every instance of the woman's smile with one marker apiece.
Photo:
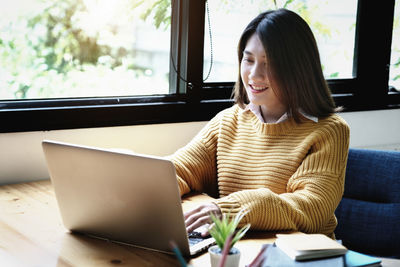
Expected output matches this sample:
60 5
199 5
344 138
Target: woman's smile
256 89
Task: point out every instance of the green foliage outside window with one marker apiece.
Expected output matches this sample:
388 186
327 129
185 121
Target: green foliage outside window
48 53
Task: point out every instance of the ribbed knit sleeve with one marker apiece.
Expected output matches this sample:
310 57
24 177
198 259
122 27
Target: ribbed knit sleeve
195 163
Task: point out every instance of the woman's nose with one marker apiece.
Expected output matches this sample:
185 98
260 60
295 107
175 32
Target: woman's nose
258 72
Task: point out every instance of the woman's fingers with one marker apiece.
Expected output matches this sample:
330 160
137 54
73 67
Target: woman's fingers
191 212
196 218
197 223
200 216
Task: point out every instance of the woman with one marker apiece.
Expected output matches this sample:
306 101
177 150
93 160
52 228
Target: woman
280 152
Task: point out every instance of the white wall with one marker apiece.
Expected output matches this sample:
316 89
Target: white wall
21 157
374 129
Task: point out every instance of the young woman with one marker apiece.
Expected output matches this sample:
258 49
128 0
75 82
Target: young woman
280 152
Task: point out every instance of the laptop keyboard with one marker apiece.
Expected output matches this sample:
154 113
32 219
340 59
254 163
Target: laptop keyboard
194 238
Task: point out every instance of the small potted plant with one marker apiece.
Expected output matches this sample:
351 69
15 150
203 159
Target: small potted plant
224 231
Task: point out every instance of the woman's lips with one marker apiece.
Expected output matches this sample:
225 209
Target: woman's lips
258 89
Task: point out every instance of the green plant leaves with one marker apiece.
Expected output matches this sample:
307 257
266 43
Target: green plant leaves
225 226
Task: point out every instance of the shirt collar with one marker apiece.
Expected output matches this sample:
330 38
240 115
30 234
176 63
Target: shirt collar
257 111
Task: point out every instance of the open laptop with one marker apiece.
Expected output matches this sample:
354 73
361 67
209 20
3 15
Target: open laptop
120 196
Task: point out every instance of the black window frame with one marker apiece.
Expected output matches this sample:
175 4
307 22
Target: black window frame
195 100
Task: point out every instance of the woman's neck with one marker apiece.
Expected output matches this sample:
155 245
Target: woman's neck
272 115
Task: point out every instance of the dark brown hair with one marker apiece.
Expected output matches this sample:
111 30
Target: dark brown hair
294 66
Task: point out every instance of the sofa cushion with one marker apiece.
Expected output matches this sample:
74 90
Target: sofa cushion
369 213
373 175
368 227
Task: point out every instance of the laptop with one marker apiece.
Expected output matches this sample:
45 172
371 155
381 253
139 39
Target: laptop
120 196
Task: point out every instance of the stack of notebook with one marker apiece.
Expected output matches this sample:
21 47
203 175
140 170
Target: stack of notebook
310 250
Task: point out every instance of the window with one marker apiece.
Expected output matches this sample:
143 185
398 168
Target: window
166 78
82 48
333 24
394 81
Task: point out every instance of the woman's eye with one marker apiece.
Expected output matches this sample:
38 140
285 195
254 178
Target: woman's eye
248 60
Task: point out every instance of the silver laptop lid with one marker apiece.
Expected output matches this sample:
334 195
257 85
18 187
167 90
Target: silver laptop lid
118 196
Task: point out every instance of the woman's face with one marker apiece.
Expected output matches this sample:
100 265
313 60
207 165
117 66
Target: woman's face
254 74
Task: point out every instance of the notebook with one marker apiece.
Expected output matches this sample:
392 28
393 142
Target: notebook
301 246
274 256
119 196
356 259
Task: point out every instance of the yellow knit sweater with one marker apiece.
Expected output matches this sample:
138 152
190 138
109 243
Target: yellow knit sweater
288 176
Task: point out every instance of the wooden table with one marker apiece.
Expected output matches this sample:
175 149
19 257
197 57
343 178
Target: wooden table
32 234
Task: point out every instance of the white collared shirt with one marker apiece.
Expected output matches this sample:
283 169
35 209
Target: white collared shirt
257 111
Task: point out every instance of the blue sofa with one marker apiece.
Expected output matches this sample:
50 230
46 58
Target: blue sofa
369 213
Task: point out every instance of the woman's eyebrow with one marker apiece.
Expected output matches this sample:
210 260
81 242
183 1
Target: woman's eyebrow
247 53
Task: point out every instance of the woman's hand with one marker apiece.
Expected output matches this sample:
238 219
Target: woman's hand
200 216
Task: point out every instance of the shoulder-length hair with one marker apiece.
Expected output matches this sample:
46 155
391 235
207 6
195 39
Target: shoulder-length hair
293 64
